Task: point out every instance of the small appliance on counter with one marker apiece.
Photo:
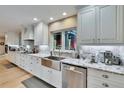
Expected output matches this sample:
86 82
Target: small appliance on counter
13 47
116 60
108 57
105 54
93 59
6 48
100 57
26 49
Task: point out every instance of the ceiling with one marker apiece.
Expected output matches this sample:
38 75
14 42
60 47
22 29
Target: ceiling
12 17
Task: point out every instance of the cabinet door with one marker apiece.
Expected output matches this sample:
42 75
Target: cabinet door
38 34
21 60
107 24
51 76
17 58
87 26
41 34
27 63
45 74
103 79
38 68
34 66
45 35
14 57
56 78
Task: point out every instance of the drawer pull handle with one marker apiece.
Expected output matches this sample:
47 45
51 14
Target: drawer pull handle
105 85
105 76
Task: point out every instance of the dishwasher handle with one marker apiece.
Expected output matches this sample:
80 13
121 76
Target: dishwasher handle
75 71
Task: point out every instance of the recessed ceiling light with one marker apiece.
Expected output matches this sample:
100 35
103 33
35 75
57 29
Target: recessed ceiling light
64 13
35 19
51 18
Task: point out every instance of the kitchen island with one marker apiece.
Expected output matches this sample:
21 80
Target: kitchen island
32 64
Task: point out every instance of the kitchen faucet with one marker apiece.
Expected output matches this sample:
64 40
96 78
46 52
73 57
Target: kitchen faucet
59 47
53 52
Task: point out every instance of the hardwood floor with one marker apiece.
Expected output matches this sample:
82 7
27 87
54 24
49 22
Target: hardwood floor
12 77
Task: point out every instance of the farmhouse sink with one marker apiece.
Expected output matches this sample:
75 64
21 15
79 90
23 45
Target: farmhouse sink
55 58
52 62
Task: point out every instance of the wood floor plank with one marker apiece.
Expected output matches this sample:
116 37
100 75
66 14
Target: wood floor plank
12 78
15 83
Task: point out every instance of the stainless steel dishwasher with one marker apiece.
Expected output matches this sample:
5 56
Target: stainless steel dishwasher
73 76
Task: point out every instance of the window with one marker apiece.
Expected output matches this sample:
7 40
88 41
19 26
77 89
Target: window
70 40
65 39
57 40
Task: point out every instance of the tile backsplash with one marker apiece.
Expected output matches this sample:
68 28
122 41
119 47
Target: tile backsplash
117 50
64 53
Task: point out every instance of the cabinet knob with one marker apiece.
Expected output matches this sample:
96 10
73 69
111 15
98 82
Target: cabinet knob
105 84
105 76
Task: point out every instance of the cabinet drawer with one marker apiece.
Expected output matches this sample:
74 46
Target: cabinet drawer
106 75
51 76
104 79
100 83
56 78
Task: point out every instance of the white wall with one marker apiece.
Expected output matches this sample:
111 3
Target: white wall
12 38
2 47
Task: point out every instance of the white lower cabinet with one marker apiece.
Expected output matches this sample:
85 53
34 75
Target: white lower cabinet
52 76
102 79
22 61
33 65
11 57
56 78
27 64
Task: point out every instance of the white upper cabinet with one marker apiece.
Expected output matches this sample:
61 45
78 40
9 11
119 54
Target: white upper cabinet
41 34
87 26
100 24
108 32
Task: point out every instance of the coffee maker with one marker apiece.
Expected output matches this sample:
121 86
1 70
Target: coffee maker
108 57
